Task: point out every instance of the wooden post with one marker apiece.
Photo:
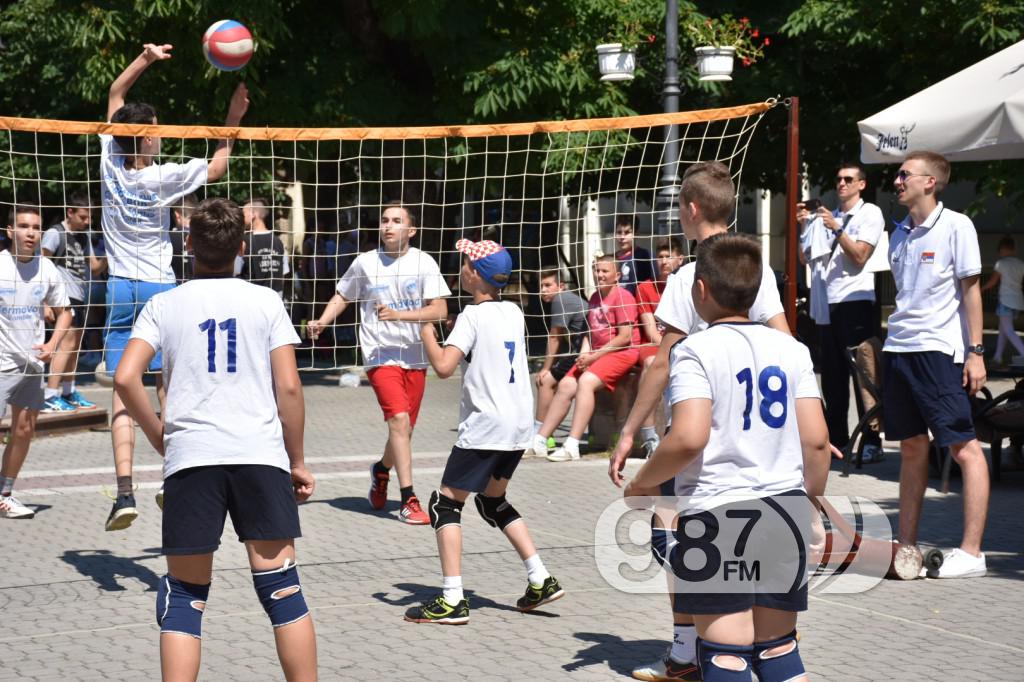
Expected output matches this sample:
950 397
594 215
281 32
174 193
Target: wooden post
792 196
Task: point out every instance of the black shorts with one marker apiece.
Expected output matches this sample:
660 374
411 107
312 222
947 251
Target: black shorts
562 366
472 470
78 312
776 541
925 391
259 498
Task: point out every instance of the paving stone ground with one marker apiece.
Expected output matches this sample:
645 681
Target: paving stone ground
78 602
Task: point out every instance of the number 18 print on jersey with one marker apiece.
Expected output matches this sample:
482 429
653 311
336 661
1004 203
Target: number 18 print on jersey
216 336
753 375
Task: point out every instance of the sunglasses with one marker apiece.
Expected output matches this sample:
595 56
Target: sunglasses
903 175
848 179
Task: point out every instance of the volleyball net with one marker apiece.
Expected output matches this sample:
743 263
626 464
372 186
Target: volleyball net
550 192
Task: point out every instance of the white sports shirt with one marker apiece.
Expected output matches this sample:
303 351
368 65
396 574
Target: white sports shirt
24 289
216 336
136 211
496 411
676 306
753 375
928 262
403 283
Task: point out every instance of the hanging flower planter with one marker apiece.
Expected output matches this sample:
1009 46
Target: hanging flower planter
615 62
715 63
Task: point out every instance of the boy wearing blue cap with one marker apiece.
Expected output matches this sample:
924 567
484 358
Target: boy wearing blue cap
495 426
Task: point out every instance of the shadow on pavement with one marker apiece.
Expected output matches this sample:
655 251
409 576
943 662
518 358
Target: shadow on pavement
105 568
618 654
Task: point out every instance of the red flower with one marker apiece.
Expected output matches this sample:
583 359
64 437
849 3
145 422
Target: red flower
767 41
755 33
746 61
651 38
744 20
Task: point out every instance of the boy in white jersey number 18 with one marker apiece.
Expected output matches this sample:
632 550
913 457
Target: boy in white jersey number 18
231 438
495 425
748 443
398 286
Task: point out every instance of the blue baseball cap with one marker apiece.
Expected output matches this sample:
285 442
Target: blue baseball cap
489 258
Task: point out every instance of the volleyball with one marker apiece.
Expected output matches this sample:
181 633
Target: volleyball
227 45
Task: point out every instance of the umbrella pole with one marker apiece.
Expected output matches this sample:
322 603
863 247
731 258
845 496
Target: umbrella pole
792 176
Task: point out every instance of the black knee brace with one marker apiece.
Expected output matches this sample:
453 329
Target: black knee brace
444 511
496 511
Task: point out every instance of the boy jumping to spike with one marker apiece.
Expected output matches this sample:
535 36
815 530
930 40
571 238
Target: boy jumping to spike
495 424
730 461
231 437
398 287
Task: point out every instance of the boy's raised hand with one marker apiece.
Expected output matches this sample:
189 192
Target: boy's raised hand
155 53
239 104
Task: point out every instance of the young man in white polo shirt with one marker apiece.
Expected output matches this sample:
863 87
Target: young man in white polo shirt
930 365
854 229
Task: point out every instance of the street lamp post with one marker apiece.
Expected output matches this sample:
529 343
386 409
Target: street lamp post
667 203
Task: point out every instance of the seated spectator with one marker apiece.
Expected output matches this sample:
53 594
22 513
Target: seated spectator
567 338
613 337
634 262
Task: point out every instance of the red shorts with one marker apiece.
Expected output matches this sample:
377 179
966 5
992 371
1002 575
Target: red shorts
611 367
398 390
648 351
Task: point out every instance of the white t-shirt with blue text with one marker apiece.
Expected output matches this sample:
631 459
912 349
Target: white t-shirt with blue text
216 336
25 288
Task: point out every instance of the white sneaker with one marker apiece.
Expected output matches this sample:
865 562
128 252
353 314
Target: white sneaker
959 564
666 670
563 455
539 448
11 508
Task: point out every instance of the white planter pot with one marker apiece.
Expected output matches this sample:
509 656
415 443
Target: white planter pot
616 63
715 63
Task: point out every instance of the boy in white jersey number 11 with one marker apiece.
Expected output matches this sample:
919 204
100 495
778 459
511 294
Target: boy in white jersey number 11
232 441
747 445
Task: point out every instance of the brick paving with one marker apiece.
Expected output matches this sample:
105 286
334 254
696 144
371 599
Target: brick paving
78 602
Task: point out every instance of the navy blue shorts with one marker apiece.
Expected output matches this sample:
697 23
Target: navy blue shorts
260 500
472 470
924 391
764 541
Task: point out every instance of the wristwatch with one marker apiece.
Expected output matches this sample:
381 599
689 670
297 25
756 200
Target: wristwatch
977 350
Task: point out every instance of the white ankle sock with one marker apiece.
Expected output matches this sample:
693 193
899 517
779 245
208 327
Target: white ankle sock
535 571
67 387
452 587
536 427
50 392
648 433
684 644
572 445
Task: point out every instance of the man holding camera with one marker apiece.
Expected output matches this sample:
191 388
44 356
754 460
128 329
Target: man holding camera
849 235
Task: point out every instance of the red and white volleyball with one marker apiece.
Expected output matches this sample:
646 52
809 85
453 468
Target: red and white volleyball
227 45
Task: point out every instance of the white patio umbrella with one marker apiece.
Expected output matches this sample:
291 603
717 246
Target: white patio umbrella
974 115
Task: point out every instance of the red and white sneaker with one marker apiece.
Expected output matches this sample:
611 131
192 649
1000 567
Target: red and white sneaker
413 513
378 495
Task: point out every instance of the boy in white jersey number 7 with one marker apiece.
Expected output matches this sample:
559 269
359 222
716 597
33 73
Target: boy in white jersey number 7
495 425
748 439
232 441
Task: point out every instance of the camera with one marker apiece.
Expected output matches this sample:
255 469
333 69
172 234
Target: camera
812 205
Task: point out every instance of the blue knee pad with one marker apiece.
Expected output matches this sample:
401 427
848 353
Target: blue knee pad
281 594
180 606
712 672
781 666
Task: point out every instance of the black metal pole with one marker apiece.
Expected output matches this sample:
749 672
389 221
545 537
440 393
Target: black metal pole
667 205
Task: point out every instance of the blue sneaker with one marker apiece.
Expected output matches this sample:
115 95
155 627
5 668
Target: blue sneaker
57 404
78 401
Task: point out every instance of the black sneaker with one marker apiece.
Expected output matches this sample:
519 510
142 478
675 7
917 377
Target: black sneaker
538 596
439 611
123 512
